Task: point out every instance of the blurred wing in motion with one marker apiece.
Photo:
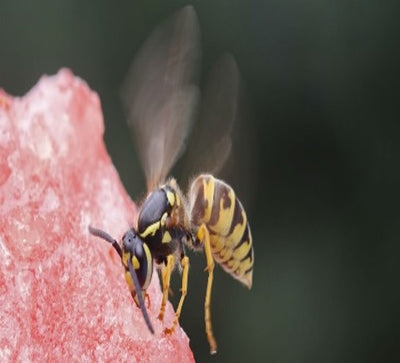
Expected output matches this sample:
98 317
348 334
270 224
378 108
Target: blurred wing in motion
211 142
160 93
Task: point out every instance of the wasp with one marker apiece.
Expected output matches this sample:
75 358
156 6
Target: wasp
161 97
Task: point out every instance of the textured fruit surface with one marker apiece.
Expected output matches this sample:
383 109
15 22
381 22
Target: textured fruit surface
62 292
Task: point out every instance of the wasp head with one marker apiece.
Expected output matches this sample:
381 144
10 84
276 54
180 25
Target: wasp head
131 242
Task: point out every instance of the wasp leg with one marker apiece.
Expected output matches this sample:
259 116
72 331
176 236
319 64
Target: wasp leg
166 276
185 272
147 298
203 236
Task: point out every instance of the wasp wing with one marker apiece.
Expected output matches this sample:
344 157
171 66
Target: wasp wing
212 141
160 94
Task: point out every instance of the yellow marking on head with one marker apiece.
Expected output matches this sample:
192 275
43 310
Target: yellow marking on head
171 197
149 259
241 252
223 225
178 200
151 230
125 257
166 237
135 263
128 279
208 188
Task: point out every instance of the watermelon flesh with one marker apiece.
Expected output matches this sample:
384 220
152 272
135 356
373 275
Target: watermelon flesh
62 292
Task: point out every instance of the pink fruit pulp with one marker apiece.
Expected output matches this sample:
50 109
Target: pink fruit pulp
62 292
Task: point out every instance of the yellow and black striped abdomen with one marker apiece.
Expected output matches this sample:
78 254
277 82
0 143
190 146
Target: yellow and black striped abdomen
214 203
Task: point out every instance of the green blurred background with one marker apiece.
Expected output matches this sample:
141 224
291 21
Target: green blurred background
321 184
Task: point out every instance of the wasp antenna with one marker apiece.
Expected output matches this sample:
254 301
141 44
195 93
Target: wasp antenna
139 294
104 235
